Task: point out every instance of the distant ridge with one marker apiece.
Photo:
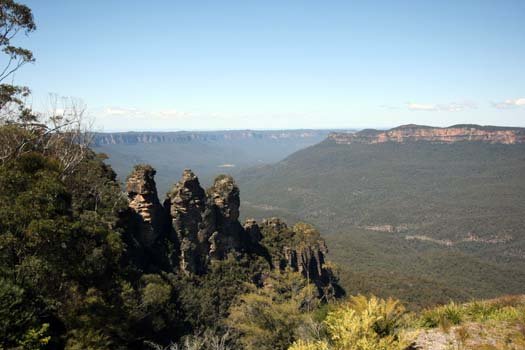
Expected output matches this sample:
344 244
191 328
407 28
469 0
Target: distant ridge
451 134
134 137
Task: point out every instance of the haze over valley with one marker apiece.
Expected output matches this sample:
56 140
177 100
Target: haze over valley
208 153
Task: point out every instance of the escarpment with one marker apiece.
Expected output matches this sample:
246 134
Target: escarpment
196 227
183 137
455 133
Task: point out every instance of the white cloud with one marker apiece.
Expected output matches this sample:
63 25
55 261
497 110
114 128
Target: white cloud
449 107
510 103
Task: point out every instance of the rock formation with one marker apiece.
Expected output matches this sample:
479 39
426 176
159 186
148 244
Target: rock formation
455 133
186 204
147 223
144 202
253 231
223 204
206 223
196 227
303 251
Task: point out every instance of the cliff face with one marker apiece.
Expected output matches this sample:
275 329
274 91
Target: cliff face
414 133
197 227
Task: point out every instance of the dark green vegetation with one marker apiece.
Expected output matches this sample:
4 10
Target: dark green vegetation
206 153
424 222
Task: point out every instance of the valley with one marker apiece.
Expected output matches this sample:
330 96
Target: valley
424 220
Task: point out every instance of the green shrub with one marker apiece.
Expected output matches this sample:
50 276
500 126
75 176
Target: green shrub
443 316
361 324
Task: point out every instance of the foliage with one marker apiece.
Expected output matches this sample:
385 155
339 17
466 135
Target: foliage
509 309
208 340
61 260
206 299
361 324
267 318
14 18
481 324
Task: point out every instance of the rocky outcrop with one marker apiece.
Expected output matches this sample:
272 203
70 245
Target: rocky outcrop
414 133
144 203
253 231
195 227
304 251
205 222
186 204
223 204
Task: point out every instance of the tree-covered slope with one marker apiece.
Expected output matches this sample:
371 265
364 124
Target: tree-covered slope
426 214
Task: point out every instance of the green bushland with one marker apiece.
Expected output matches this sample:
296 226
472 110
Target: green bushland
446 192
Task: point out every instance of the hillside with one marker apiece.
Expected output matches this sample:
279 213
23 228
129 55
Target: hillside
208 153
436 219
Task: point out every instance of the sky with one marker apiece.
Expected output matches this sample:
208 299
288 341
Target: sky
210 65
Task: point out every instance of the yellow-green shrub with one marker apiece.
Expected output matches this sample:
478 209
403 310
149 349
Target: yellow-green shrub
361 324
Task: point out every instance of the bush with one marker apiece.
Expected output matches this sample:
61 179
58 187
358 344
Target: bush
361 324
443 316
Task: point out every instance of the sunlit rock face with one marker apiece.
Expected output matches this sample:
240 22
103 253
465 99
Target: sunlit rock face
205 222
143 200
223 215
414 133
186 204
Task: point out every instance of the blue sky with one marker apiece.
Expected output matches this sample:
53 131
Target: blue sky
172 65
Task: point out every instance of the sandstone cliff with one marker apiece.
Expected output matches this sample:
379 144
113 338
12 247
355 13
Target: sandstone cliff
196 227
412 133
